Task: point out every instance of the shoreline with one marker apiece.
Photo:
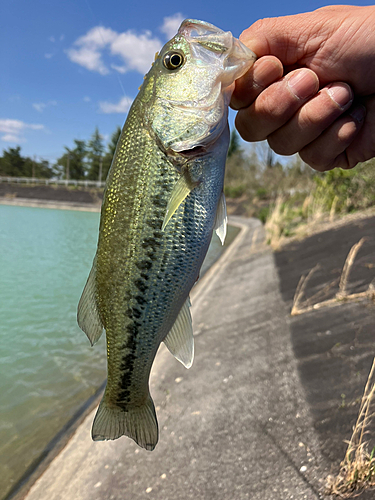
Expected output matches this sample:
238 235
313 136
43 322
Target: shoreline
51 204
54 447
266 391
64 436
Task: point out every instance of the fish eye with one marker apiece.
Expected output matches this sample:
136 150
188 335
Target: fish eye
173 60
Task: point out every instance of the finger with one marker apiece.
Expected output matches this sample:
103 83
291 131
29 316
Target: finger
329 149
265 71
276 105
285 37
312 119
363 146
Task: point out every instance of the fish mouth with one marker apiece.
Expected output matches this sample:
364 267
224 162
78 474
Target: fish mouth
210 43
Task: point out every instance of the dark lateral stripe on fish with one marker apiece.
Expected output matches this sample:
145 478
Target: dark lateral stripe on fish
144 265
140 284
154 223
151 255
151 242
133 312
127 364
158 201
141 300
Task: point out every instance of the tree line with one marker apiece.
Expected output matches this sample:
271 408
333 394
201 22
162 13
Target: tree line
86 160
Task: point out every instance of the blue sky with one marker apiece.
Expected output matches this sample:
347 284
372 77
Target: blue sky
68 66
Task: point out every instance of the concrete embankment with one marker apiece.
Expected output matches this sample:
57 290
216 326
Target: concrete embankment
57 197
249 419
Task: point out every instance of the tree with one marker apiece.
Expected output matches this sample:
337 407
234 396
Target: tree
77 165
95 150
13 164
108 157
72 162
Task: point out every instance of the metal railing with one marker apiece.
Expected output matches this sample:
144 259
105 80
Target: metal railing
49 182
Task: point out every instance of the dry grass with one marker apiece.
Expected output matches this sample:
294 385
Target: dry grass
301 306
314 221
286 219
273 226
358 467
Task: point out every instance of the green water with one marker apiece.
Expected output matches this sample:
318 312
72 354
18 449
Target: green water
47 367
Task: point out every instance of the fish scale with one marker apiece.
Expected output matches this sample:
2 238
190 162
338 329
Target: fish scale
163 198
144 276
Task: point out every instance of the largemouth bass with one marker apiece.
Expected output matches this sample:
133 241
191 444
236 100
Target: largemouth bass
163 199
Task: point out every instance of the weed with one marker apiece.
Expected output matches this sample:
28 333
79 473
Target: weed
358 467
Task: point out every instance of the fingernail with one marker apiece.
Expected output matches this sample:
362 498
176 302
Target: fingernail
341 94
303 84
265 72
358 113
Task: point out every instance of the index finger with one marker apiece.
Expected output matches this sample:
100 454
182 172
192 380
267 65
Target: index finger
264 71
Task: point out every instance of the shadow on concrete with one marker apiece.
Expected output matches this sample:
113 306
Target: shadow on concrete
334 347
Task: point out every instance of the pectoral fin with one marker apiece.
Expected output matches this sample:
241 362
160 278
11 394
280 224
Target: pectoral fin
88 314
221 219
180 191
179 340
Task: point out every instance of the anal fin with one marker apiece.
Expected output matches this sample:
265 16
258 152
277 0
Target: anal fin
88 315
180 340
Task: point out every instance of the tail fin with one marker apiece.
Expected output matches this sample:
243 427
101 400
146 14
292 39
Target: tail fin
139 423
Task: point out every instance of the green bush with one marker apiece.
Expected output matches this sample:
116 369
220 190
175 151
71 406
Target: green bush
261 193
345 191
234 191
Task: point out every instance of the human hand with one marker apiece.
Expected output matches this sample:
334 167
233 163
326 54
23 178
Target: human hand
324 106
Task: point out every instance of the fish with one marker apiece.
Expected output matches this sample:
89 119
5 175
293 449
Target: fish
162 201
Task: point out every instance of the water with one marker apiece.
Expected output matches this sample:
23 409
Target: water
47 369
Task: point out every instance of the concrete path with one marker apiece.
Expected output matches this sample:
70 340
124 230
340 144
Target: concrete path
235 426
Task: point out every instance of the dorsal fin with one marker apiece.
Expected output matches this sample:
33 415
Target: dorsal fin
88 314
179 340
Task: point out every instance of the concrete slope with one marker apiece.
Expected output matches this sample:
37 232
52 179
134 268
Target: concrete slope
235 426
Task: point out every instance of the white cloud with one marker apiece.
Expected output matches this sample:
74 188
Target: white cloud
88 58
87 49
48 56
136 51
12 138
120 69
40 106
13 129
87 98
52 39
122 106
171 24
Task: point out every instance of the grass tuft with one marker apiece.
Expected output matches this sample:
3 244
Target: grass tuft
357 470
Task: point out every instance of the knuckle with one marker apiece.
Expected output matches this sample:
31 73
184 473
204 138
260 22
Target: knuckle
258 25
282 144
313 157
247 128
